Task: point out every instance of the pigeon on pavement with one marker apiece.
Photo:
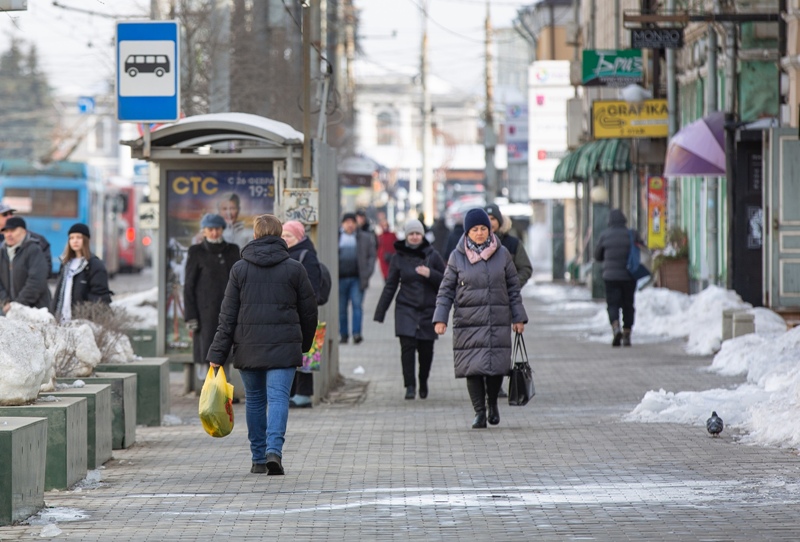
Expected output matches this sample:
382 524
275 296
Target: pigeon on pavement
714 424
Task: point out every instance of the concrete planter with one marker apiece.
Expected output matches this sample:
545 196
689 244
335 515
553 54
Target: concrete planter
66 438
152 387
23 446
123 405
99 414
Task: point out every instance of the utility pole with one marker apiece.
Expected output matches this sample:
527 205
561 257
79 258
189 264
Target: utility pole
427 134
489 138
306 92
672 115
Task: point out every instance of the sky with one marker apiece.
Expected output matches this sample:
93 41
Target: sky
77 50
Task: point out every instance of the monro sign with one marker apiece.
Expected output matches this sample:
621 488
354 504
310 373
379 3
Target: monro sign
657 38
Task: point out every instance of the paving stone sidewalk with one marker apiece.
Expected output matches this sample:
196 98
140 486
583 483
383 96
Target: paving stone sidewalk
565 467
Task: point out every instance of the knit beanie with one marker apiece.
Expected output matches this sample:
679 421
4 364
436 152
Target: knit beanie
493 210
79 228
295 228
414 226
476 217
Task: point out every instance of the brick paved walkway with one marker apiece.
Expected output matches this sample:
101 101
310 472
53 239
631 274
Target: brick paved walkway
563 468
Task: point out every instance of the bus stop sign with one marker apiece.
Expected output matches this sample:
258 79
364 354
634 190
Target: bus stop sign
148 83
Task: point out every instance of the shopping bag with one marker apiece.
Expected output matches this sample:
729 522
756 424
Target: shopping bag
216 404
637 256
312 358
520 382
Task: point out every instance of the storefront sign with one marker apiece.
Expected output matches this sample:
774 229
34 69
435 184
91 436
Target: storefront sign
619 119
657 38
611 67
656 212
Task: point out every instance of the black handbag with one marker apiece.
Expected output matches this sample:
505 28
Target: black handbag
520 384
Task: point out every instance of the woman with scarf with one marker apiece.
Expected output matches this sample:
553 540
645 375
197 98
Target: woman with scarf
481 281
417 268
83 277
208 265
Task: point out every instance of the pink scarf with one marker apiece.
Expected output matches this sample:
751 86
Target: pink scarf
474 257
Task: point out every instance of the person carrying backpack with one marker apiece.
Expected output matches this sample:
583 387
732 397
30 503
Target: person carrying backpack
302 249
612 249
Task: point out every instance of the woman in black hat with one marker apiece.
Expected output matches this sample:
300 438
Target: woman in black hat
83 277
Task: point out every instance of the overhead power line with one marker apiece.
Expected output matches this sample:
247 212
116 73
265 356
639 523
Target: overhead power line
96 13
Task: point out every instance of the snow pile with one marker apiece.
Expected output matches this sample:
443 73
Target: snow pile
23 366
765 408
698 318
142 306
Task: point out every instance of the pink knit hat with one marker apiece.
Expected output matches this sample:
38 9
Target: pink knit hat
295 228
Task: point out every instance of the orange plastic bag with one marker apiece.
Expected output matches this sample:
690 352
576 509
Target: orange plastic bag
216 404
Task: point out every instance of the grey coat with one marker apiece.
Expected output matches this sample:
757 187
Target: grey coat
613 247
486 300
365 246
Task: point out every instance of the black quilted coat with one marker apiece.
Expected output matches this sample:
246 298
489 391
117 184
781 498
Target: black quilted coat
413 313
485 297
269 314
208 267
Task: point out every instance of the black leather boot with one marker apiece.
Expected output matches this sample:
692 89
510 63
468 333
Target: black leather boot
617 332
493 416
626 337
477 393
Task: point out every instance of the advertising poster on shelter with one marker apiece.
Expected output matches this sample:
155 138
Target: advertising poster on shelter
238 196
656 212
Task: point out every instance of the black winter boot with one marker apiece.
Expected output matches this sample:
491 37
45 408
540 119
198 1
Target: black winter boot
477 393
626 337
617 332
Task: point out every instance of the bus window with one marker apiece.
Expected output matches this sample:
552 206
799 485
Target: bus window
65 204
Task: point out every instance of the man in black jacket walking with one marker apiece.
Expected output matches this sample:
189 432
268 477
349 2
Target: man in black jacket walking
7 212
23 268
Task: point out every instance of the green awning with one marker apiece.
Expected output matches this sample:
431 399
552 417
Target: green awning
600 156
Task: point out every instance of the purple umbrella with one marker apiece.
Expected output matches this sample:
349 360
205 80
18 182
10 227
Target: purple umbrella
698 148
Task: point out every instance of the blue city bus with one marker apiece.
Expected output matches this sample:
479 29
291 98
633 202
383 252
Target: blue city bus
54 197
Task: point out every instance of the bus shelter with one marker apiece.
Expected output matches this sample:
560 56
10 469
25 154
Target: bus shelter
239 166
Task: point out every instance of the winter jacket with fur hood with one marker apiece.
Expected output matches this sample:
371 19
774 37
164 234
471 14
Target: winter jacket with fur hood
413 308
269 313
485 297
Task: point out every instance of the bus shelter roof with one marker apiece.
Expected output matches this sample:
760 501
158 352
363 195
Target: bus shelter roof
192 133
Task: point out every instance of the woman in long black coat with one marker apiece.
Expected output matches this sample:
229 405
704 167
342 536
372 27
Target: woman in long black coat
208 266
417 268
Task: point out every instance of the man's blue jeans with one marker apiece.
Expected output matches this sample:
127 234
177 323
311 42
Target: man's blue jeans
350 291
267 410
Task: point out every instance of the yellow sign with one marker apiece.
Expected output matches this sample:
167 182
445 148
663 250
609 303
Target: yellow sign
611 118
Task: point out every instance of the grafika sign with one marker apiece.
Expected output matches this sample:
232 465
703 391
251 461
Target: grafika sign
657 38
611 67
614 118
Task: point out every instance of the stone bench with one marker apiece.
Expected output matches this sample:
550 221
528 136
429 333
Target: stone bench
66 437
152 387
99 420
123 405
23 447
